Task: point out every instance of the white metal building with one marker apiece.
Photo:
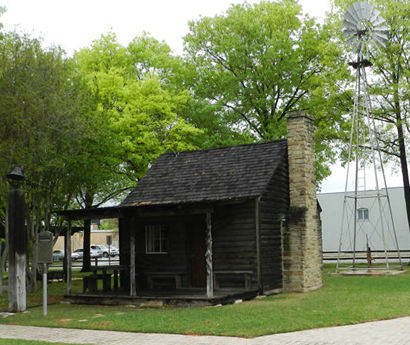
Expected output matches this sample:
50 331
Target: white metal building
331 216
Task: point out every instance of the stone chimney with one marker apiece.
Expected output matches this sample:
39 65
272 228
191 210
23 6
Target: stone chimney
301 240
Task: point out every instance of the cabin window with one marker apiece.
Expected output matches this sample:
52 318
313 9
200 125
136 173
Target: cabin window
363 214
156 239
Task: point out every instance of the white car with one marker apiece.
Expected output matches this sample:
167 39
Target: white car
75 256
93 253
100 249
114 251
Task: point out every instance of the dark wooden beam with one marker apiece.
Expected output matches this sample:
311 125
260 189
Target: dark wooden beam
133 285
138 211
258 245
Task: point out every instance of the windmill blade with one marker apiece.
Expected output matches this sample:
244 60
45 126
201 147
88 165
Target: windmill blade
382 33
347 27
375 14
379 39
364 10
352 15
359 8
349 32
350 23
378 22
382 29
351 19
380 36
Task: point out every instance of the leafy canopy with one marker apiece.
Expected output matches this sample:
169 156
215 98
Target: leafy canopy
256 63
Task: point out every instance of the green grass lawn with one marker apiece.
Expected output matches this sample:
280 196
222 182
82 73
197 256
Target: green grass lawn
342 300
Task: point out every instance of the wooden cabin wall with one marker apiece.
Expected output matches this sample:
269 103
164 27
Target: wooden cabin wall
234 241
273 207
173 261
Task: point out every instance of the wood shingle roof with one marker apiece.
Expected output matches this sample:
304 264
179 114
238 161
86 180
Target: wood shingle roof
209 175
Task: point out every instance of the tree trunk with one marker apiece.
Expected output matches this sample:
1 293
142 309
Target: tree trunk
404 170
32 228
87 236
86 246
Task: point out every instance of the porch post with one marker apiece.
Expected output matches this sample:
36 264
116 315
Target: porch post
133 289
208 257
68 257
258 246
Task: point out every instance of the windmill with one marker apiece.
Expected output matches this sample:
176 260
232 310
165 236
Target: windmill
367 220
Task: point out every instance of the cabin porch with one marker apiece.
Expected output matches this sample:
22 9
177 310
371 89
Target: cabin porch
183 297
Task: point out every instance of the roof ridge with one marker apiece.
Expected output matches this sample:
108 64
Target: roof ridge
226 147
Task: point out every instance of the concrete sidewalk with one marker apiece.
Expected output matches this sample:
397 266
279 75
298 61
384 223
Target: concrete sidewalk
389 332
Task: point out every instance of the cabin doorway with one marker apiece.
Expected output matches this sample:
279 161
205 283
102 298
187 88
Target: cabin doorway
196 252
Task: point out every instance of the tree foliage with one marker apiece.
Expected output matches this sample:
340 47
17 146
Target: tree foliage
38 127
256 63
129 93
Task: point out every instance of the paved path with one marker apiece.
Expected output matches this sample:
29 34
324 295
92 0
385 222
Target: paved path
389 332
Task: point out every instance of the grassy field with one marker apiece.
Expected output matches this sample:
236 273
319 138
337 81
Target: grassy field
342 300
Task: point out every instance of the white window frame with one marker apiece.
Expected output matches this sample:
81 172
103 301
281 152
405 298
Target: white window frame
156 239
363 214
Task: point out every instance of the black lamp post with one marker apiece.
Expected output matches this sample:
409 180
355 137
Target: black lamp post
16 176
17 241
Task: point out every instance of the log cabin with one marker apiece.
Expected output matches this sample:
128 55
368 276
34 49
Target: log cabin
211 226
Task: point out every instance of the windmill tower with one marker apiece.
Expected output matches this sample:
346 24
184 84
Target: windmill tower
367 227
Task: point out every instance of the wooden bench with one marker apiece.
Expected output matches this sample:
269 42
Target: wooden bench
247 276
177 276
51 275
90 282
57 275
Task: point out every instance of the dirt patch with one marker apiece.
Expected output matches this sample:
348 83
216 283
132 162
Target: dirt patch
62 322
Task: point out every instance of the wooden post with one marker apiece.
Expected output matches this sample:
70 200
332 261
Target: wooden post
17 238
133 286
208 257
258 246
67 256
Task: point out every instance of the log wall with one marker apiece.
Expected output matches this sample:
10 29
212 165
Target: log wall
273 207
234 241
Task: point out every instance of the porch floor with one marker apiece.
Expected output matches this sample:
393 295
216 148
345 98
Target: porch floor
145 298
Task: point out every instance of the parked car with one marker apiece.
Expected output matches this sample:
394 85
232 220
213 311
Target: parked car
75 256
101 249
93 253
114 251
58 255
79 252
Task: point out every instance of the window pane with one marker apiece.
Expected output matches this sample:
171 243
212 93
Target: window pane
363 214
156 239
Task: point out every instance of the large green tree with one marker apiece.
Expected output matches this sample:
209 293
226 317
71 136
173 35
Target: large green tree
255 63
134 107
37 126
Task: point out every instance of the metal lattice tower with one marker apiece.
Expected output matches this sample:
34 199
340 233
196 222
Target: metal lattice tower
367 220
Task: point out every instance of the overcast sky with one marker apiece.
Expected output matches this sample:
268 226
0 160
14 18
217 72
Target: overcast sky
75 24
